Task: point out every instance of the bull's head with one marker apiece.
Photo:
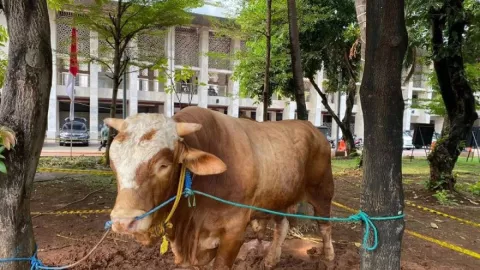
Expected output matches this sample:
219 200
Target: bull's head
145 156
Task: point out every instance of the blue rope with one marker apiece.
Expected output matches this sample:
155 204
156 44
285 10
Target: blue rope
188 192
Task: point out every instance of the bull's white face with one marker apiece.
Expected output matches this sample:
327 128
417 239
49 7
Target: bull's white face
142 158
143 136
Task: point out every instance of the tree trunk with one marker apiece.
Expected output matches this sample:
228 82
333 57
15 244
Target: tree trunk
296 61
24 109
117 75
456 93
383 106
266 85
343 125
361 10
347 131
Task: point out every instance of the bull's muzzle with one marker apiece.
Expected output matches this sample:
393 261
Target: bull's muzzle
124 221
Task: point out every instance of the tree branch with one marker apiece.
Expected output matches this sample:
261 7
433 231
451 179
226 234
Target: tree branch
325 103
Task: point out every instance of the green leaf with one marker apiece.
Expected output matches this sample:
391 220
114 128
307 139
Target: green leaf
2 157
3 168
2 148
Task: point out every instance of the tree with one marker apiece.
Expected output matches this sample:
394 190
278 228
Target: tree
448 27
118 24
296 61
452 43
332 40
266 84
316 18
23 109
382 105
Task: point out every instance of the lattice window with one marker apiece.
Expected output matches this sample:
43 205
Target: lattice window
64 36
221 46
187 43
150 47
105 51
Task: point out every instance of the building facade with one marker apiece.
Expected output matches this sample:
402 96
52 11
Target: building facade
186 46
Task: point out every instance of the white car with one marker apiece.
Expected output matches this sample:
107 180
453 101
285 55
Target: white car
407 141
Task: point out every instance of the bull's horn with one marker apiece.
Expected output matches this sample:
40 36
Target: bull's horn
115 123
187 128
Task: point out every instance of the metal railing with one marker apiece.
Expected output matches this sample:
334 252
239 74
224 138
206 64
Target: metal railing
81 80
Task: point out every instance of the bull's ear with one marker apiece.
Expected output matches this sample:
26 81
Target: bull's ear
203 163
115 123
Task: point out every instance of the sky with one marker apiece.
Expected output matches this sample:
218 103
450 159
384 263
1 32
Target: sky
211 10
216 10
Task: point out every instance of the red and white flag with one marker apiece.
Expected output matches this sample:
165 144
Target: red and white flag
73 72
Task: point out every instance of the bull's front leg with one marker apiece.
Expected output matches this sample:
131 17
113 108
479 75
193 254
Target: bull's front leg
230 244
279 235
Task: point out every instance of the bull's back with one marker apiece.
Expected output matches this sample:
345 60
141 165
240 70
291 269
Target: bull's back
267 162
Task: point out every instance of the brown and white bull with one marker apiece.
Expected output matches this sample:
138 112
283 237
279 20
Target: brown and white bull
272 165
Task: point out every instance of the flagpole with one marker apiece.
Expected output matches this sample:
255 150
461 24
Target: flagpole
72 113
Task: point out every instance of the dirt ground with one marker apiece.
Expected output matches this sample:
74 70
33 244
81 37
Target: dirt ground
63 239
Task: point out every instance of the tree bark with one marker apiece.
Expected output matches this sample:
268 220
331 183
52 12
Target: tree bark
383 106
296 61
343 125
24 109
266 85
361 10
456 93
117 77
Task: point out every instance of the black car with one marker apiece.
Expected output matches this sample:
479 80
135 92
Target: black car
77 134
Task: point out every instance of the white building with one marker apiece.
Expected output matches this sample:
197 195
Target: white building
184 46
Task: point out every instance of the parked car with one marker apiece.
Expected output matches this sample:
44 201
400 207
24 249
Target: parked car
325 132
77 134
407 141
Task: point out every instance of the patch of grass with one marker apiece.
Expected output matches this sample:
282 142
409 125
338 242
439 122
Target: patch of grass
78 163
444 197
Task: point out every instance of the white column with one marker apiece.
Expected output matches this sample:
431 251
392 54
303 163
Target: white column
53 122
428 96
338 105
234 99
94 69
133 91
203 63
316 101
168 106
259 112
407 113
155 81
343 106
289 110
133 85
359 115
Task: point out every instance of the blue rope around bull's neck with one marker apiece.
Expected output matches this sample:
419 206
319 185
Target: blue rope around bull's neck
359 217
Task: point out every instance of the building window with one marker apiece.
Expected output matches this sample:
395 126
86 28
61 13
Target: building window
279 116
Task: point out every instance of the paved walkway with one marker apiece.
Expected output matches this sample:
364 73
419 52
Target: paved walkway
54 150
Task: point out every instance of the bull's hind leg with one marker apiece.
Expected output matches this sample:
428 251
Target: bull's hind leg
259 226
320 195
279 235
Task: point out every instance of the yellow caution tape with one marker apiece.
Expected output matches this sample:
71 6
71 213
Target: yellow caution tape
426 238
433 211
73 171
74 212
445 244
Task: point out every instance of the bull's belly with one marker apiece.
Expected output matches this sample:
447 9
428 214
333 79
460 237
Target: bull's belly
279 195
